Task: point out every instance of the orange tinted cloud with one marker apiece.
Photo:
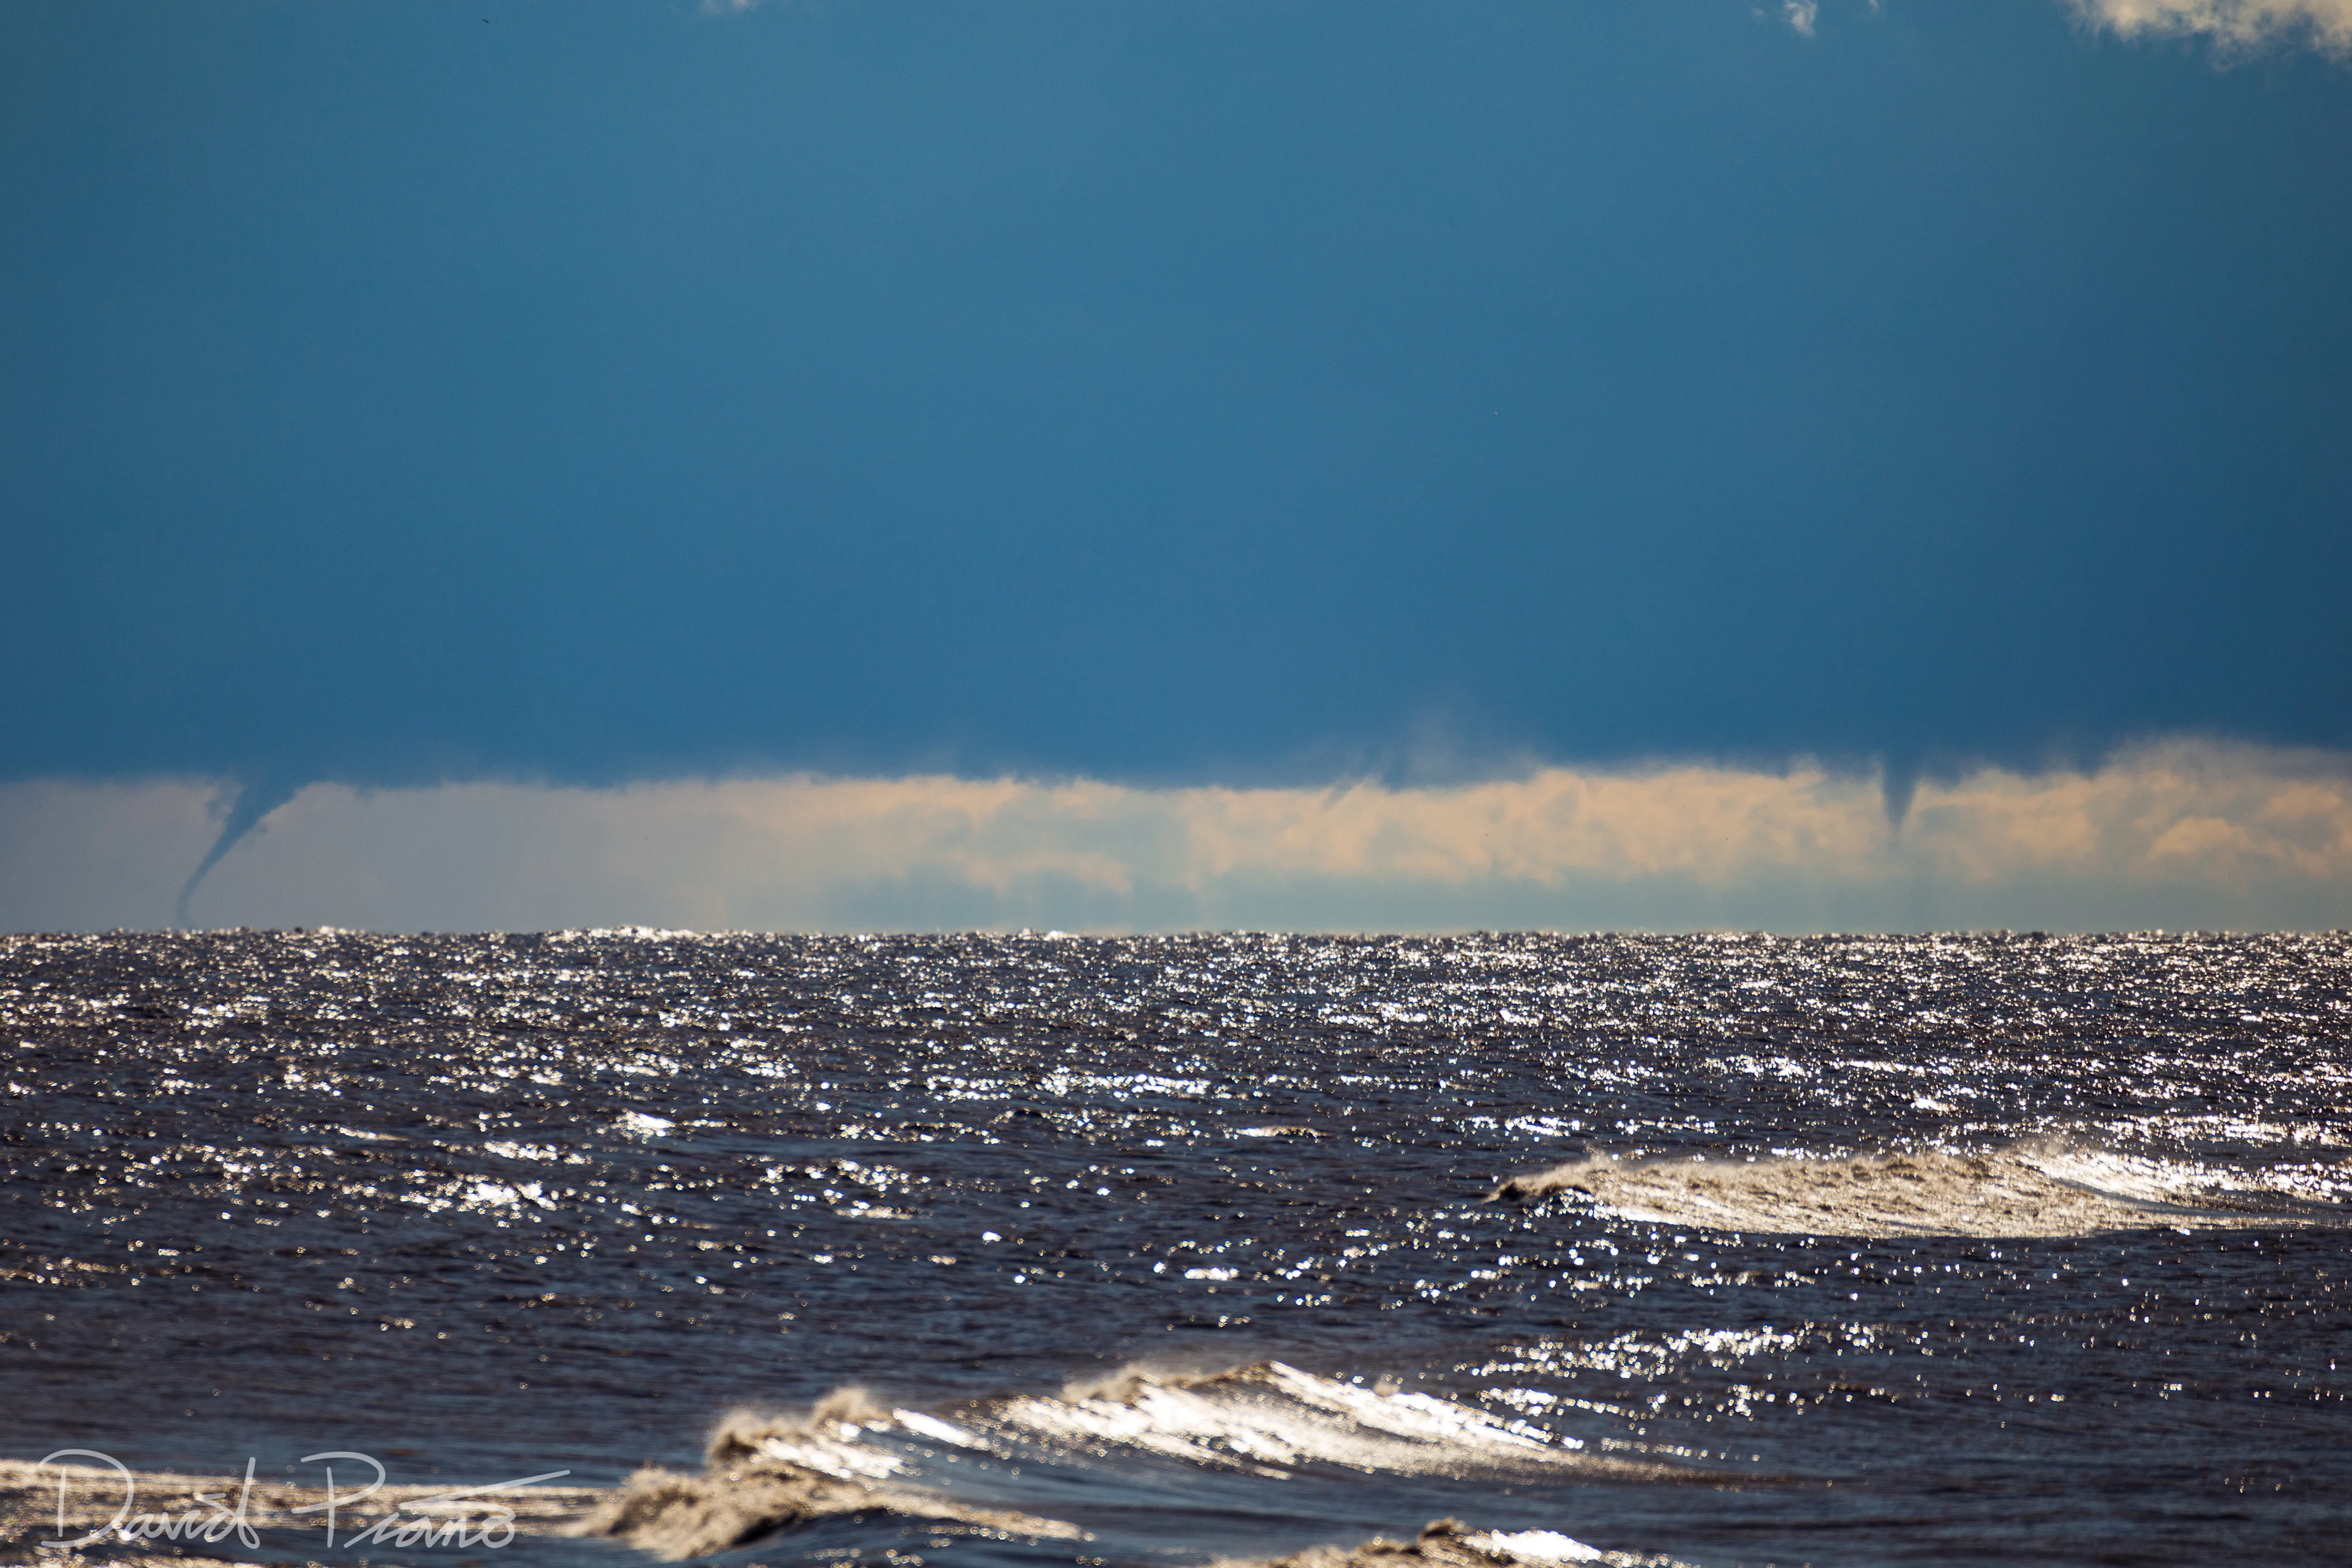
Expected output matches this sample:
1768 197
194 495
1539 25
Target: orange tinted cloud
2175 834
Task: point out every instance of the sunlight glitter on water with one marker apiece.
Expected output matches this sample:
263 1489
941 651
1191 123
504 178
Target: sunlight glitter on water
495 1199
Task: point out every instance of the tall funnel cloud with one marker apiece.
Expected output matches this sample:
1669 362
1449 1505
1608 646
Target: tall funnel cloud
256 799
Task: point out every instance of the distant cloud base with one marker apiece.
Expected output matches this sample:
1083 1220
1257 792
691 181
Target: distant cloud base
2178 835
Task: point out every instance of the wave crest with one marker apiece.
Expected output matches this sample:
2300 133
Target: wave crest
1450 1543
1271 1418
2029 1189
770 1472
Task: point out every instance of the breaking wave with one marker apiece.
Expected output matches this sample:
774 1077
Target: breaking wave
846 1456
1450 1543
2027 1189
849 1456
1272 1419
765 1473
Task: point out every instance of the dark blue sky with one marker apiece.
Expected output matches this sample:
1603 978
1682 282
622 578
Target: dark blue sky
1220 389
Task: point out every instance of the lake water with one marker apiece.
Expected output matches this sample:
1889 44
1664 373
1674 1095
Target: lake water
1713 1250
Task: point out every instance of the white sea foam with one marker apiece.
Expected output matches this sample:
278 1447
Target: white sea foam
1449 1543
1537 1546
637 1124
931 1427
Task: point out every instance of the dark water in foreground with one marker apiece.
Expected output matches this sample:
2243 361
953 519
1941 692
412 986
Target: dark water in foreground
486 1207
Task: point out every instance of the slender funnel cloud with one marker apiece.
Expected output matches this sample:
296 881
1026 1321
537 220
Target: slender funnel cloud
1898 785
256 799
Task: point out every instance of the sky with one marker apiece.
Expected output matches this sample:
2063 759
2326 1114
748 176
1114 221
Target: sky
429 423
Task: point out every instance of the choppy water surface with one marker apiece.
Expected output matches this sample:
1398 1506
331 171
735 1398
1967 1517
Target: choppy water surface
1150 1251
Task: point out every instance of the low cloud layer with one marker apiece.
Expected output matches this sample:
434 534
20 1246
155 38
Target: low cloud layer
2239 24
2183 834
